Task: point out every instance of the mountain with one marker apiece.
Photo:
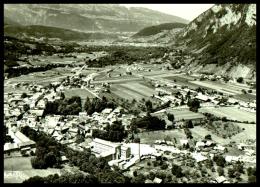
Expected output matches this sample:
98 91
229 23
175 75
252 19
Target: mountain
39 31
87 17
222 40
148 31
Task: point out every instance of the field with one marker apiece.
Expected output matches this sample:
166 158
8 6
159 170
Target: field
231 113
245 97
221 87
248 133
132 90
185 114
43 78
183 81
12 163
82 93
199 133
18 169
151 137
9 89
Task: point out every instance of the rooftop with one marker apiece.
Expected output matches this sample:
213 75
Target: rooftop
105 142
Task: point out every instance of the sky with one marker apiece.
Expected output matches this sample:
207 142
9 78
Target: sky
186 11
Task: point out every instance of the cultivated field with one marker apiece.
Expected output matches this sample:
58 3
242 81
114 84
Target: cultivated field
132 90
83 93
245 97
18 169
232 113
183 81
221 87
9 89
151 137
183 114
199 133
43 78
248 133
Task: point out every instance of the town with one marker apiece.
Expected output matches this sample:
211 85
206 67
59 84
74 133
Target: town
129 94
153 123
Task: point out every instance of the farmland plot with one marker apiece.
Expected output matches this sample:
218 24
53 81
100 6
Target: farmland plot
125 93
248 133
231 113
185 82
222 87
199 133
182 114
18 169
151 137
185 114
132 91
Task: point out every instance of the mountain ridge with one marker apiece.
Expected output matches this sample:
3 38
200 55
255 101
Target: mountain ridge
88 17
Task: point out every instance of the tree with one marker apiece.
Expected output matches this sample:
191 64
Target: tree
151 176
149 106
188 133
189 124
38 163
220 171
170 117
209 163
164 166
177 171
251 171
194 104
244 91
252 179
231 172
34 180
208 137
240 79
135 173
238 167
220 160
24 95
26 107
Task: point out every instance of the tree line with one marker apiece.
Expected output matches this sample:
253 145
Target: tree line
97 105
66 106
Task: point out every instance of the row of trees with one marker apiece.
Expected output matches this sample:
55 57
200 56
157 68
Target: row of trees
148 122
97 105
115 132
